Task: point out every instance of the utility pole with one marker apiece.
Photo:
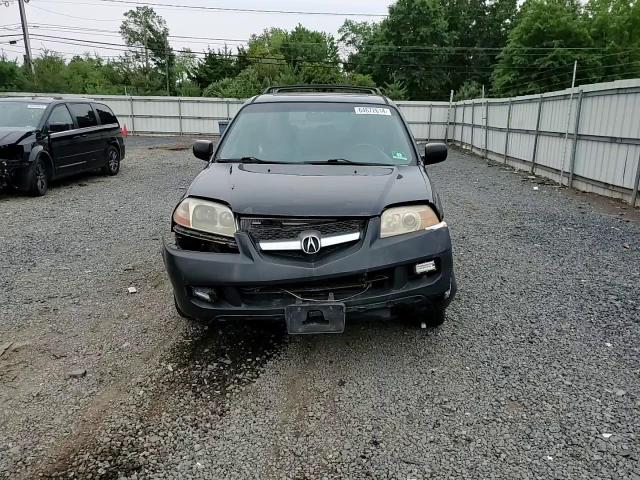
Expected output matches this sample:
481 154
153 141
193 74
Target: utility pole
146 54
446 133
566 133
166 59
25 33
146 49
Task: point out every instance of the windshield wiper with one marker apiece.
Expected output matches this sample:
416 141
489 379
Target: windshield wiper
338 160
246 160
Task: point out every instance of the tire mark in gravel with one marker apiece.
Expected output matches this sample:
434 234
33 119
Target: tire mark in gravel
199 375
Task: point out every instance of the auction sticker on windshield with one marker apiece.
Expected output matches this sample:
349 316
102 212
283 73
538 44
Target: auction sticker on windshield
398 156
37 106
372 111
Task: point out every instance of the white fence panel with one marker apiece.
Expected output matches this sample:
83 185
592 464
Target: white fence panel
611 115
589 139
550 152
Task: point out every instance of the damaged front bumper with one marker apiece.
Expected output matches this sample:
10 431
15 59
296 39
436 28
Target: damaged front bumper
13 172
374 274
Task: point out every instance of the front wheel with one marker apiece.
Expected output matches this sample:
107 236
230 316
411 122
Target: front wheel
113 161
39 179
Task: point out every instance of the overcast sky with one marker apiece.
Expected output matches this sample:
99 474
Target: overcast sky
216 24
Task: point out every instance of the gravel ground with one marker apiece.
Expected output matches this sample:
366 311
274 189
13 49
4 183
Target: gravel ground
535 374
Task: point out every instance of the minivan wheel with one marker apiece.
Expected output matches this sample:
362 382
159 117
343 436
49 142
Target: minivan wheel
39 180
113 161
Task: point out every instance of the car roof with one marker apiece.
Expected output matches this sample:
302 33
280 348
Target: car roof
47 100
328 97
28 99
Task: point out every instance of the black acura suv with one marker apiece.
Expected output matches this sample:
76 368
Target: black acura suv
42 139
315 205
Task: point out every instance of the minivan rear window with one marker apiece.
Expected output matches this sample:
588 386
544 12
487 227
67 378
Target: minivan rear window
105 114
84 114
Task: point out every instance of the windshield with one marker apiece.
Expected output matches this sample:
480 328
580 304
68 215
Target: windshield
318 132
21 114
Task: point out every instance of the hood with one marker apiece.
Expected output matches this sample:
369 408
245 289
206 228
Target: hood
310 190
13 135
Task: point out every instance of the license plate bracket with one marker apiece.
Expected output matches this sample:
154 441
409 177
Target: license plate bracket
307 318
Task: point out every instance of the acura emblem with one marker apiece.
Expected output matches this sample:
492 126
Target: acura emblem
310 243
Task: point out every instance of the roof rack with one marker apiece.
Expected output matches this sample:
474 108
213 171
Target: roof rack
323 88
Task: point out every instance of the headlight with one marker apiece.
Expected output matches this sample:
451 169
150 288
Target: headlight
399 220
205 216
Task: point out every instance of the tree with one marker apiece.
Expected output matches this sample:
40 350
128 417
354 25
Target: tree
11 76
50 74
614 26
355 35
554 25
302 54
88 74
302 46
358 41
395 90
408 46
359 79
469 89
214 67
478 29
245 85
147 33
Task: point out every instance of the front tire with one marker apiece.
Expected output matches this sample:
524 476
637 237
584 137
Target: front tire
39 183
113 161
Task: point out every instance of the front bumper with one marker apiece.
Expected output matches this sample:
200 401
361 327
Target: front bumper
373 274
14 172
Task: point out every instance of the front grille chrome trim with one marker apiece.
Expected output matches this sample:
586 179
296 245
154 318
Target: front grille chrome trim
288 245
338 239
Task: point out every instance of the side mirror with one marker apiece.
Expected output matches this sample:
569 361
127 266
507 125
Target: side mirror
434 153
203 149
58 127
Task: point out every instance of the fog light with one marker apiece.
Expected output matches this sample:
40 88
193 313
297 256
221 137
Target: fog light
426 267
205 294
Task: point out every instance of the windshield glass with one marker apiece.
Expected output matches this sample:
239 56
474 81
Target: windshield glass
21 114
319 132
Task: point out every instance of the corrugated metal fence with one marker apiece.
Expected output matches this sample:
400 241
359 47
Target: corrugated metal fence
196 116
589 140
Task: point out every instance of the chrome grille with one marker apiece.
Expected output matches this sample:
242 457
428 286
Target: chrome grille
262 229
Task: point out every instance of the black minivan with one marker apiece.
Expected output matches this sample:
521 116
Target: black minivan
314 206
42 139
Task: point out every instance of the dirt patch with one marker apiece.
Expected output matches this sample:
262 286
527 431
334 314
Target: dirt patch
208 367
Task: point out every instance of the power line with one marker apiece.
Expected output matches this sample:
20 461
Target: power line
278 60
417 48
126 48
269 60
215 40
538 81
114 33
594 77
73 16
236 10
